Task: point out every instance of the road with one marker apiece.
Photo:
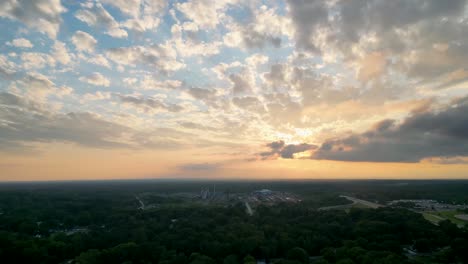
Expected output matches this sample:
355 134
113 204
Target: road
142 205
363 202
249 209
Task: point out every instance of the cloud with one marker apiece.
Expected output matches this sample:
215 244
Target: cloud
307 17
285 151
427 134
127 7
37 87
190 45
99 59
143 24
97 16
95 78
241 84
83 41
194 167
148 104
150 83
361 31
20 43
7 68
372 66
249 103
36 60
23 122
60 52
198 126
135 8
265 28
42 15
163 57
205 14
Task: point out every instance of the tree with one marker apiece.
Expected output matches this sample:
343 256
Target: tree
249 260
89 257
231 259
298 254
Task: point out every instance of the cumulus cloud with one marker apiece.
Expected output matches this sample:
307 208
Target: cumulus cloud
7 68
42 15
285 151
364 30
35 86
163 57
204 13
20 43
36 60
100 60
240 84
83 41
97 16
266 28
438 133
96 78
60 52
151 83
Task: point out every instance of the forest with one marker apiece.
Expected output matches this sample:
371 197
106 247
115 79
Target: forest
99 222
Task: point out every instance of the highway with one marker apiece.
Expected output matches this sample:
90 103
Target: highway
142 205
249 209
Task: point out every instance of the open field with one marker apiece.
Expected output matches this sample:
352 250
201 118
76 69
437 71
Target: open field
463 217
435 219
442 215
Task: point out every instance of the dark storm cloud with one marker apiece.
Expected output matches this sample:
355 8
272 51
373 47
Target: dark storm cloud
279 148
422 135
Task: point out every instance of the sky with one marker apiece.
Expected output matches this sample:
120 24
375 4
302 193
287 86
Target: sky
233 89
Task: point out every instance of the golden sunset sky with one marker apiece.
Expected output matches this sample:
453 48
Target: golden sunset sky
233 89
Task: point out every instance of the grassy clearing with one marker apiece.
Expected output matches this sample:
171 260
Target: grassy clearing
432 218
450 215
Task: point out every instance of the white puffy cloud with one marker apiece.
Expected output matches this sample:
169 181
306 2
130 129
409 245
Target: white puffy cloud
96 79
205 14
7 68
97 16
163 57
142 24
187 47
20 43
100 60
60 52
36 60
84 41
42 15
38 87
135 8
143 13
266 28
150 83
